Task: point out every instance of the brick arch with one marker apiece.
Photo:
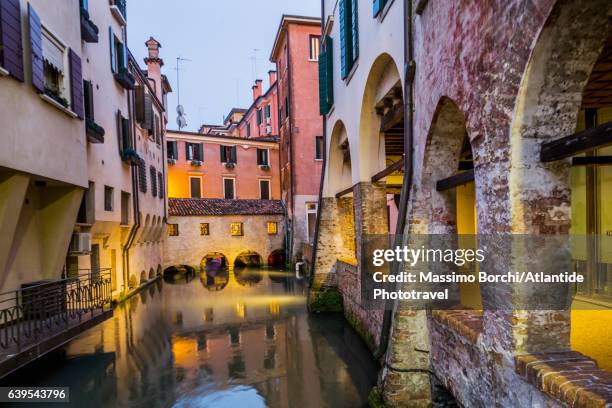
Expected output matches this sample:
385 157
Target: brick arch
382 78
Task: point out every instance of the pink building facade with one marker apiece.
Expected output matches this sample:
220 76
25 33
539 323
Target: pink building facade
261 119
296 54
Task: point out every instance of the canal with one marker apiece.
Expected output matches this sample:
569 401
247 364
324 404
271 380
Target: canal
230 339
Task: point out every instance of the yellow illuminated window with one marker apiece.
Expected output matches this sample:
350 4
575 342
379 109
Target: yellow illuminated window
173 230
236 229
204 228
272 228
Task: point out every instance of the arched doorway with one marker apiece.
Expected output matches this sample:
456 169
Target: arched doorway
214 271
276 259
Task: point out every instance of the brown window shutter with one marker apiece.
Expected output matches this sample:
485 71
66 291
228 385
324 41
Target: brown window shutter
38 80
76 84
148 113
10 27
140 103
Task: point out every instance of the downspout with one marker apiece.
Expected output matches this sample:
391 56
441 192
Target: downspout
409 69
135 198
323 167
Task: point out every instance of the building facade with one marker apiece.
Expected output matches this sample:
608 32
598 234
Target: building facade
261 118
225 167
296 53
484 121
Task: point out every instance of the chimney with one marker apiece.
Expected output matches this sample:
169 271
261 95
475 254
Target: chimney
257 89
272 75
154 64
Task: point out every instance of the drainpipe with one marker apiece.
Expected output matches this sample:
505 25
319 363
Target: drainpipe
323 167
409 69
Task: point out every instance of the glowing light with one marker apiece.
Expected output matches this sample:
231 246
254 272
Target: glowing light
241 310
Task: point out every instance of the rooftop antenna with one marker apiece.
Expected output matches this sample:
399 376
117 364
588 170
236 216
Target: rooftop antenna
254 63
180 110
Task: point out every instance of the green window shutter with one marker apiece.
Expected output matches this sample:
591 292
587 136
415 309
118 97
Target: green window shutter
113 59
323 106
329 52
267 111
248 129
326 76
344 61
354 32
124 57
234 154
259 116
223 155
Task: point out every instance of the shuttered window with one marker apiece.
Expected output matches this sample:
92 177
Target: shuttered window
139 102
229 188
259 120
11 47
149 116
194 151
172 147
248 129
142 176
326 76
349 35
89 100
153 174
262 157
319 147
264 189
76 84
228 154
161 184
38 76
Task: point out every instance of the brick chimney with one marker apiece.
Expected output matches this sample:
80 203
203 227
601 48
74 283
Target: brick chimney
154 64
272 75
257 89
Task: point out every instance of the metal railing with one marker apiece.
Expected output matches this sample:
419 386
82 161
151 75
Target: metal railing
37 311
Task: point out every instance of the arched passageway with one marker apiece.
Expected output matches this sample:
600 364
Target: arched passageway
276 259
213 261
248 259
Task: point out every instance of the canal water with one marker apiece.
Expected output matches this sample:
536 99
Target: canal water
226 339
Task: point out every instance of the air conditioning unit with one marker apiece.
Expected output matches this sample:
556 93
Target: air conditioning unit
80 243
268 120
268 130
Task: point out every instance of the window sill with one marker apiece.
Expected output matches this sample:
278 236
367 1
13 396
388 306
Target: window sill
59 106
3 72
318 160
118 15
313 60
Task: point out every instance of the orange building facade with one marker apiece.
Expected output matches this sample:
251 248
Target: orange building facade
218 166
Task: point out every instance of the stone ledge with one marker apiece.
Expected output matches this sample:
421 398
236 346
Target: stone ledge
348 261
468 323
569 377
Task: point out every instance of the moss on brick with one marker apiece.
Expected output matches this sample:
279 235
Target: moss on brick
328 300
375 399
361 329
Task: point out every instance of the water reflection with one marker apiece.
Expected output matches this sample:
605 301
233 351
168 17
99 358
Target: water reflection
249 342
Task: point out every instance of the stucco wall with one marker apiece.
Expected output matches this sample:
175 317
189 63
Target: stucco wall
190 247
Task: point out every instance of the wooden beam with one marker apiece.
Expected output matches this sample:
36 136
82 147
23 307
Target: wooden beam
345 192
458 179
592 161
392 118
596 137
391 169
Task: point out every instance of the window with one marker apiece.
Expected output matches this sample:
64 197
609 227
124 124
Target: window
123 125
118 53
311 220
108 198
153 174
142 176
161 184
125 208
157 131
286 107
89 100
259 118
194 151
314 47
236 229
173 230
349 35
268 114
229 188
264 189
272 228
172 149
248 129
56 76
326 77
204 228
195 187
228 154
262 157
319 147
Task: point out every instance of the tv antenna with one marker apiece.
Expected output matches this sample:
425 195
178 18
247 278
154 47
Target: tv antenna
181 121
254 60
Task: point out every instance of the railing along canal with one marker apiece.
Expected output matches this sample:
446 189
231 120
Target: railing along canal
38 311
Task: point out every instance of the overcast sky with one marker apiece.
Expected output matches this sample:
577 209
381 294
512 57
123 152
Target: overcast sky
220 37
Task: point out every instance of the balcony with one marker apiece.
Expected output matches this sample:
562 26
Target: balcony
129 155
89 31
95 132
119 11
126 79
42 316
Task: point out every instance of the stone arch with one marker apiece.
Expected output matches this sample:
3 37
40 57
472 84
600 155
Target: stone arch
248 259
276 258
143 277
159 270
339 168
151 273
553 91
382 86
133 282
214 260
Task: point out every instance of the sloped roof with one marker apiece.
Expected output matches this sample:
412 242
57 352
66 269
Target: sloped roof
215 206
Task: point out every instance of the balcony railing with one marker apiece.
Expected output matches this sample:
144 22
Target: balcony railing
38 312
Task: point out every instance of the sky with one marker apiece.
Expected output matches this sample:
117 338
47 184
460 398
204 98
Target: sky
227 41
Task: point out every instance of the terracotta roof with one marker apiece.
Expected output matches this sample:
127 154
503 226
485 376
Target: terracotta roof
216 206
